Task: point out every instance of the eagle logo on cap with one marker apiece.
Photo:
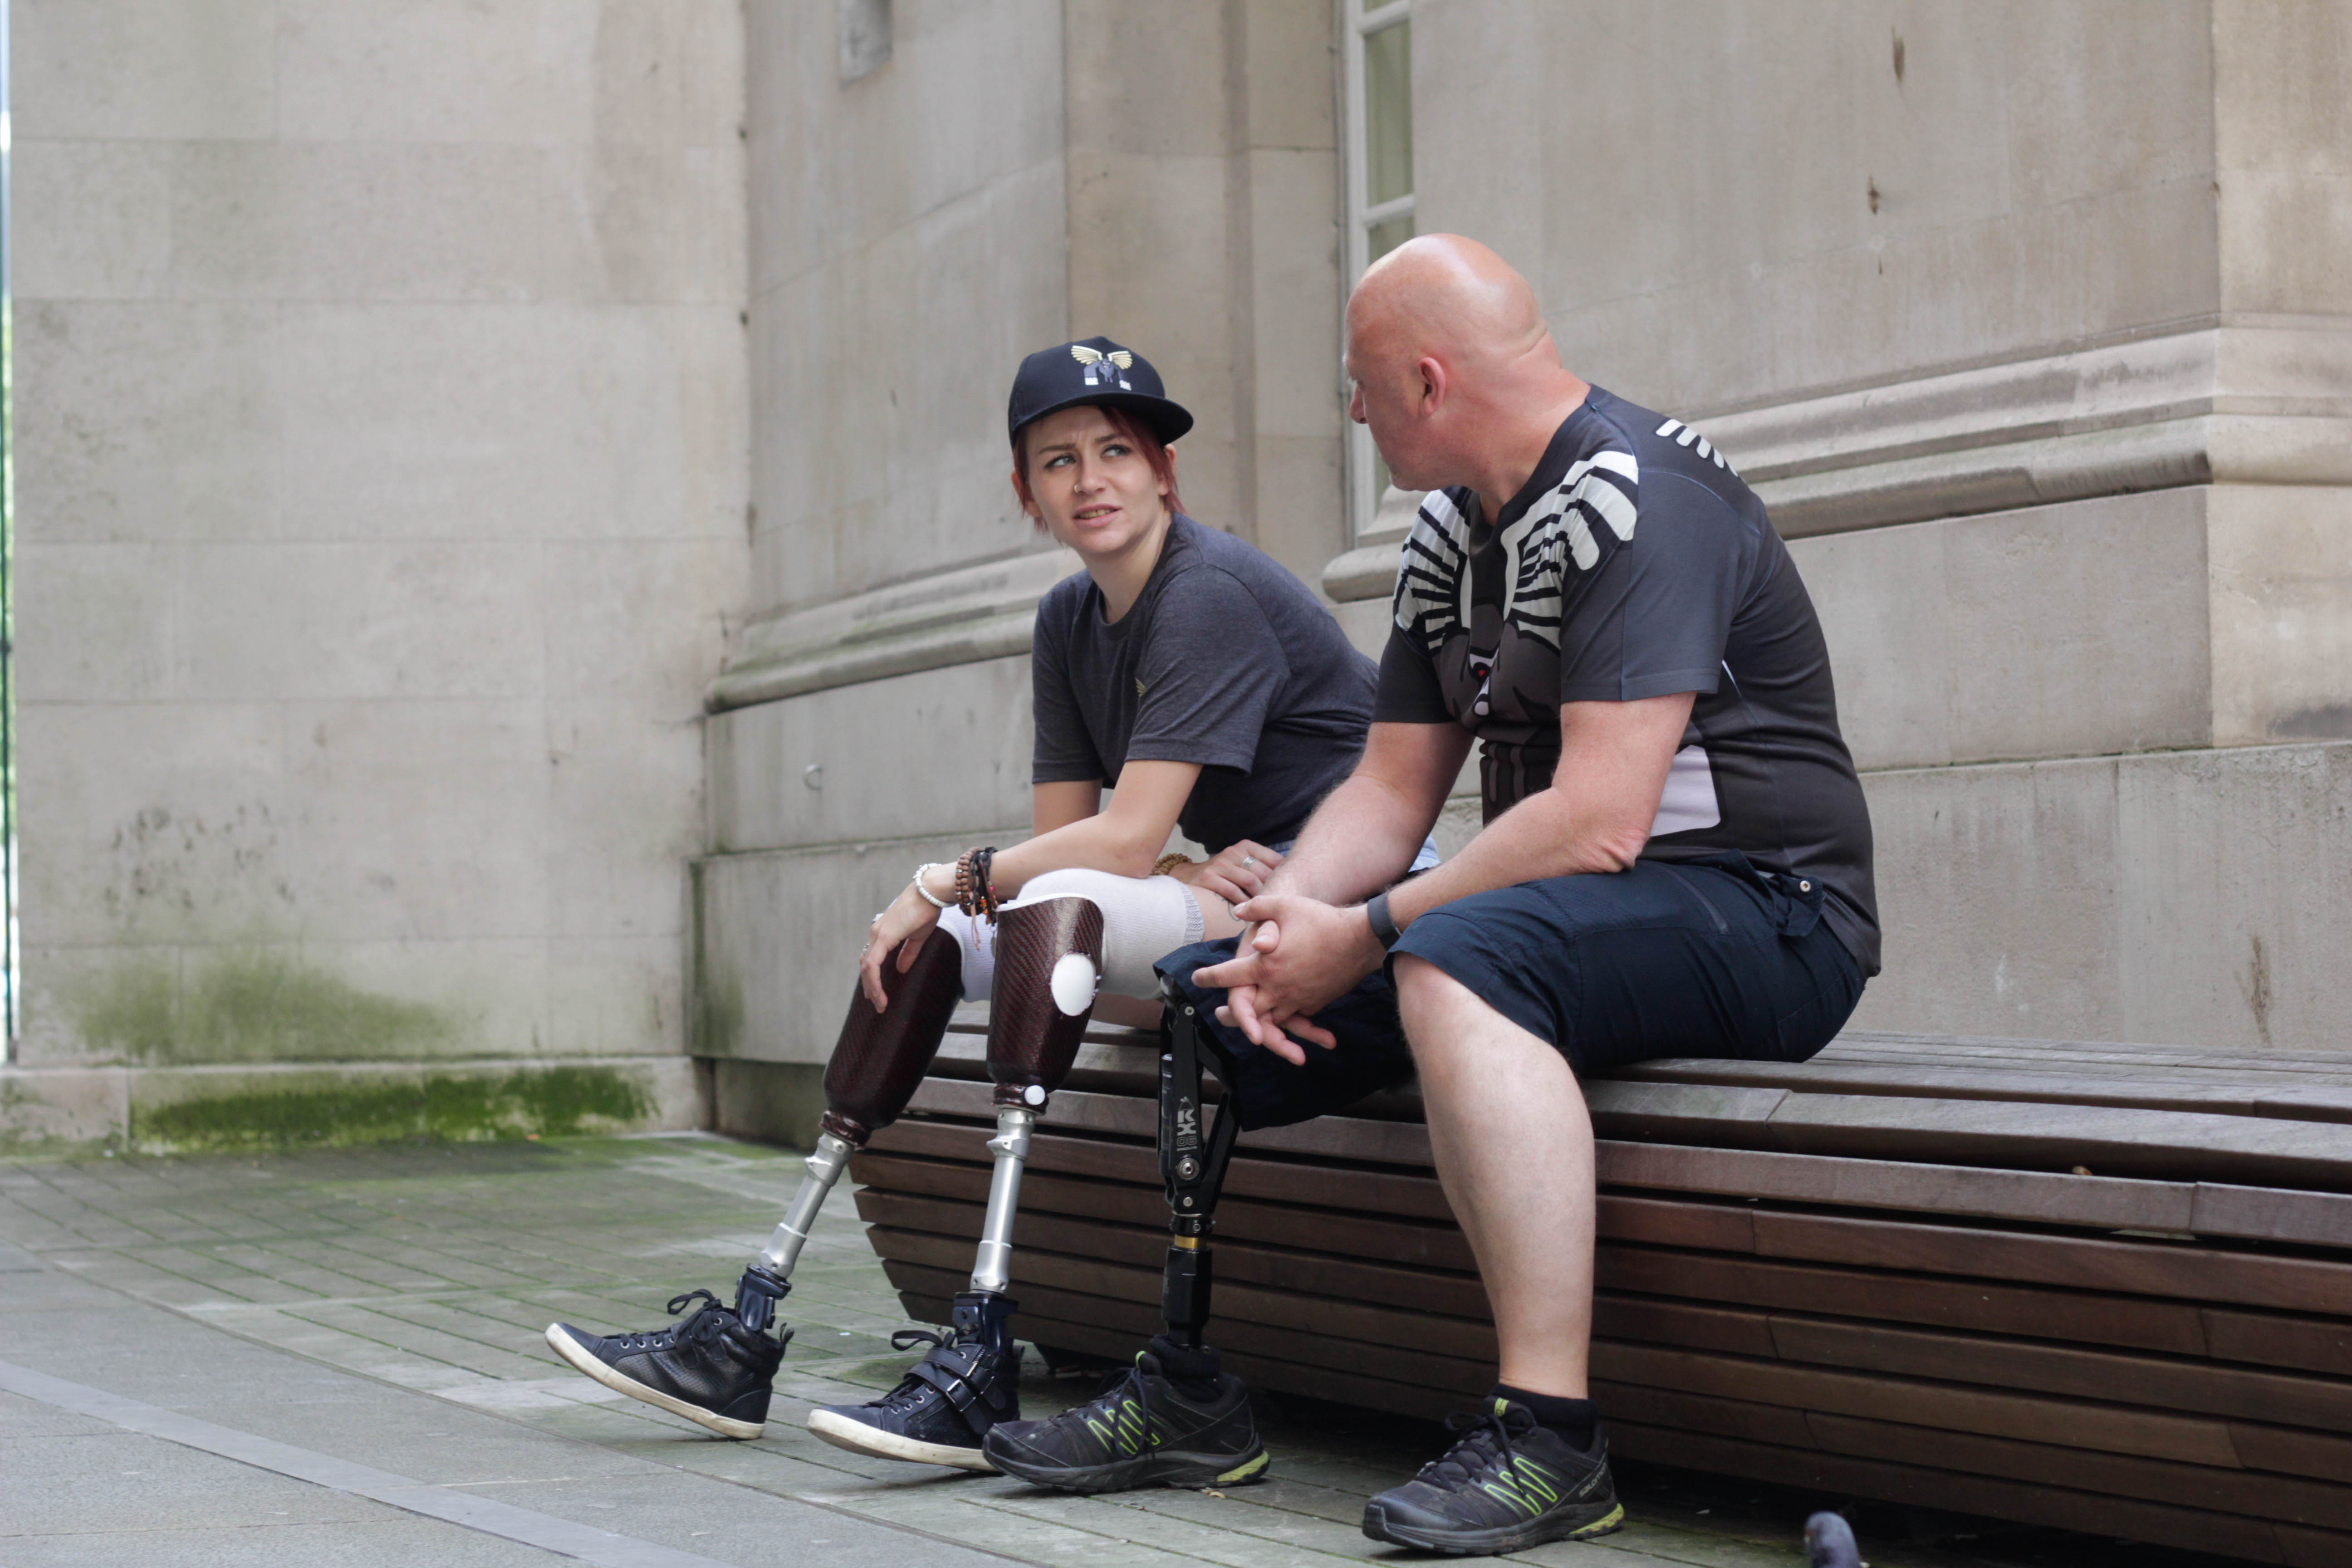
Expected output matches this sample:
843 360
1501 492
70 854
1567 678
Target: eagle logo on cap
1100 366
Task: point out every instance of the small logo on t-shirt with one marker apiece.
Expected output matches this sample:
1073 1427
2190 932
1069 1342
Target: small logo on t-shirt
1138 686
1102 370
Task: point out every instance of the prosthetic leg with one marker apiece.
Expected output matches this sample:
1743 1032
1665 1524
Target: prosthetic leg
876 1066
716 1367
1194 1168
1176 1418
1048 964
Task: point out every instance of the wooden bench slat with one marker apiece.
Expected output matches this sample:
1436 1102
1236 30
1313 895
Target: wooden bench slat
2117 1089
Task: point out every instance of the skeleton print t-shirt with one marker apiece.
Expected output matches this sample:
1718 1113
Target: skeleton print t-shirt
1635 563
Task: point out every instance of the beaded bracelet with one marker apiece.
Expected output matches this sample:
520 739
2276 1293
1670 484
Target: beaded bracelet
975 896
920 872
1168 863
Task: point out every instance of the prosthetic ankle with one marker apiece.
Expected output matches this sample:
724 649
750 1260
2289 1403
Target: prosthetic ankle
877 1063
1048 964
1194 1168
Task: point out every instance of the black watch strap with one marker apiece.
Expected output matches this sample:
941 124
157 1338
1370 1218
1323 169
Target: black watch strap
1384 926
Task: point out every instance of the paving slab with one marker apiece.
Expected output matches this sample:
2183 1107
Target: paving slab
384 1307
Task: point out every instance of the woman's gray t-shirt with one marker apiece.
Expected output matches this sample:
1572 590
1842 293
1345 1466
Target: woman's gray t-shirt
1226 660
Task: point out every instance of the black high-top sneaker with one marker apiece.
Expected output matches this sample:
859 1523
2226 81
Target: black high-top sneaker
714 1369
1506 1485
1141 1430
948 1401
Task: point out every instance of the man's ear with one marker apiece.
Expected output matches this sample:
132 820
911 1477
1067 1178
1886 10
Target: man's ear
1434 385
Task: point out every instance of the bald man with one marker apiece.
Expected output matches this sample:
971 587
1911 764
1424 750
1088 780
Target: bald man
1674 860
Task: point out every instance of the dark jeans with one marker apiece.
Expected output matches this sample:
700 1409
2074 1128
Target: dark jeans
1710 958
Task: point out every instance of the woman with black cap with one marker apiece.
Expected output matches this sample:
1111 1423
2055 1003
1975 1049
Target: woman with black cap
1185 668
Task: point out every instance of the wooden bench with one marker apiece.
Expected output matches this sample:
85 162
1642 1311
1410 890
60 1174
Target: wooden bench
2103 1288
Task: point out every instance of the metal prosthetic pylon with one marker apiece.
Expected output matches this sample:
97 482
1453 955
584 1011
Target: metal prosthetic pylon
1048 967
1191 1165
875 1069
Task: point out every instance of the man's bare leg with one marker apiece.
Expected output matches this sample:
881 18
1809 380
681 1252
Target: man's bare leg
1513 1142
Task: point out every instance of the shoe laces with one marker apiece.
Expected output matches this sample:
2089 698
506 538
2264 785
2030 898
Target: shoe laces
1120 1412
703 1325
1484 1444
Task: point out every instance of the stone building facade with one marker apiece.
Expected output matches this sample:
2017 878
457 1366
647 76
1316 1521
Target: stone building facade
549 461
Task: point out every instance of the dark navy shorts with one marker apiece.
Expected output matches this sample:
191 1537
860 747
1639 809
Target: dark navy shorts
1710 958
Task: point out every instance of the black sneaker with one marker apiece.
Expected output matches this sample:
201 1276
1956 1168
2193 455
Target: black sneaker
713 1369
1141 1430
947 1402
1506 1485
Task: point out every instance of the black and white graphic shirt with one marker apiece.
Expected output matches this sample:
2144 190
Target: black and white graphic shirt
1634 562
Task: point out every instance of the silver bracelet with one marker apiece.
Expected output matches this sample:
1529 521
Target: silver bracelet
925 892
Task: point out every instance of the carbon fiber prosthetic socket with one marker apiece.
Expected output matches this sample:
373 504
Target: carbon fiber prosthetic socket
877 1064
1048 964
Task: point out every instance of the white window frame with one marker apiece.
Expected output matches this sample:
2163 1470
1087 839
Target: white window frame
1357 20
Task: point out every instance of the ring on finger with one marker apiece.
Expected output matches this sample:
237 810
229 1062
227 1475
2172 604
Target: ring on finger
1249 860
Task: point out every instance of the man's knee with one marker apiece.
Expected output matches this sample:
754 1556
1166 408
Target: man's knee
1438 1010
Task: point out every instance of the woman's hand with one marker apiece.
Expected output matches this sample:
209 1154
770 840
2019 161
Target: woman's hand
1236 874
901 929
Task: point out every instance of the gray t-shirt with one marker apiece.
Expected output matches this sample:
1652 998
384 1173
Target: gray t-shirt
1226 660
1565 599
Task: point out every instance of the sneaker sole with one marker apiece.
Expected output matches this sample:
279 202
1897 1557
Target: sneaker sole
859 1438
573 1351
1145 1471
1492 1543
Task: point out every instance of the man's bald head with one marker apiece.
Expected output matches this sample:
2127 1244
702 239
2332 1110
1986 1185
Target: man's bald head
1448 348
1444 295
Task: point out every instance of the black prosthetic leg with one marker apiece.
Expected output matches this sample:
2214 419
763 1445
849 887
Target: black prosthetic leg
1048 960
1192 1167
1176 1418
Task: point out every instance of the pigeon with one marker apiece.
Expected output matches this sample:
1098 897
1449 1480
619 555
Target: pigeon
1829 1542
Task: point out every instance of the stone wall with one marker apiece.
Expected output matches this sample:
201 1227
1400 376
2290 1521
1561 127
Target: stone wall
381 477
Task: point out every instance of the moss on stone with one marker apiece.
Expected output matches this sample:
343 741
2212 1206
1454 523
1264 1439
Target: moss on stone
429 1107
250 1006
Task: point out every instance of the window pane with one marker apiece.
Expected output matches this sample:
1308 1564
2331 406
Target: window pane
1383 238
1388 113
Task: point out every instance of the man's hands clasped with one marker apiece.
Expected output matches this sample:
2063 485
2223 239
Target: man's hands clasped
1298 957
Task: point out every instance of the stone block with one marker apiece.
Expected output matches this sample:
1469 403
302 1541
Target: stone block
92 220
530 423
956 750
2054 631
777 1102
96 623
2185 898
619 827
1286 48
778 934
1148 81
147 420
53 1109
144 69
427 618
2280 564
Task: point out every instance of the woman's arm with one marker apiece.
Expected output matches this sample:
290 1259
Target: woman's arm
1123 839
1052 806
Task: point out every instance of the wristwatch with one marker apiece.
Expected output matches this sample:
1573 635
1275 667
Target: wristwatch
1384 926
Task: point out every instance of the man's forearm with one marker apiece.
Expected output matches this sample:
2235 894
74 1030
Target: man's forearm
1361 838
1541 836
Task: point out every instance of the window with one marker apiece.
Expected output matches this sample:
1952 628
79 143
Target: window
1375 41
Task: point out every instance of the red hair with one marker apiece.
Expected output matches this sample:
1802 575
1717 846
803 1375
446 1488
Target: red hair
1131 430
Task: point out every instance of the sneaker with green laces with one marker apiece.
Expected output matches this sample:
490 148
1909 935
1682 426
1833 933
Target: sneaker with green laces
1506 1485
1141 1430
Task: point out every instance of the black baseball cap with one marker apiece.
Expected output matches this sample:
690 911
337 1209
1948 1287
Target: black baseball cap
1094 370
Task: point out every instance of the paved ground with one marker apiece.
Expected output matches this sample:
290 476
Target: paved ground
337 1356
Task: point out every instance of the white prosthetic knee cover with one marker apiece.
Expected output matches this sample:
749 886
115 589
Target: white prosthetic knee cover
1143 919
